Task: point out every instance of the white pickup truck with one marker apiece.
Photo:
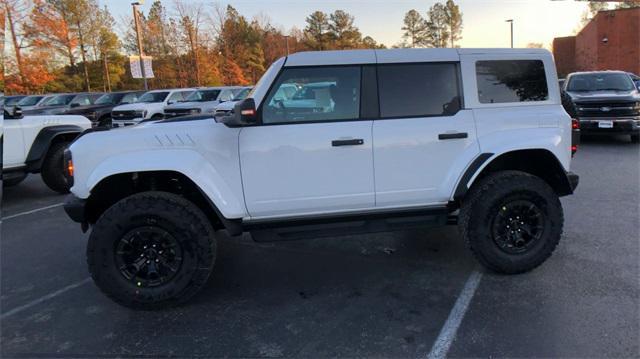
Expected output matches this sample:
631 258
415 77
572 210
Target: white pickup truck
392 139
35 144
149 107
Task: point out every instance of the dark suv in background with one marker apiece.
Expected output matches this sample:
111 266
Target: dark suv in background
60 103
100 111
607 102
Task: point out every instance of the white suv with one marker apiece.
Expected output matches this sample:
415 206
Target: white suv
398 138
202 101
149 107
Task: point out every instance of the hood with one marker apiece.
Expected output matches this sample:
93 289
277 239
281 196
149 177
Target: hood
84 109
192 104
605 95
46 110
226 106
138 106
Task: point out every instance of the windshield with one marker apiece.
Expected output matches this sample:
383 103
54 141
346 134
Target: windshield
202 96
60 100
242 94
600 82
130 98
12 100
153 97
107 99
30 101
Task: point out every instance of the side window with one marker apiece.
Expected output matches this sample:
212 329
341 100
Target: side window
177 96
418 90
81 100
308 94
507 81
226 95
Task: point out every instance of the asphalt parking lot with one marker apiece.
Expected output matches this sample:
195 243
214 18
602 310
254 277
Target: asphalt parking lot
399 294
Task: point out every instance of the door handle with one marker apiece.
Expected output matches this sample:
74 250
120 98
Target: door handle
351 142
452 135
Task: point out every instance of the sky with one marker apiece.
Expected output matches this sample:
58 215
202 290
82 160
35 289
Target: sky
535 21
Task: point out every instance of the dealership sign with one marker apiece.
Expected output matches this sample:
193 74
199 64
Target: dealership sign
136 72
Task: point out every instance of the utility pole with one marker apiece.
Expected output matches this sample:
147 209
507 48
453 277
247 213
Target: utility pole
286 39
510 21
137 22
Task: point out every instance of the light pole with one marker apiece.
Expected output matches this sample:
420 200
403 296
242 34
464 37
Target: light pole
140 52
286 39
511 23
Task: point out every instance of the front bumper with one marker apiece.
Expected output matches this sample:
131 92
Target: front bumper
75 208
573 179
126 123
621 126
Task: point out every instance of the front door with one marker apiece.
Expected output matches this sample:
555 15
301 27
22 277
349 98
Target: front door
312 152
14 149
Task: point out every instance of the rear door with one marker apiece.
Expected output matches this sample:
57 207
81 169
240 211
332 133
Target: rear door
425 137
312 155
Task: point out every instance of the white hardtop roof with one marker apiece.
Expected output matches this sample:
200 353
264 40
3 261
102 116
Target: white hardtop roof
348 57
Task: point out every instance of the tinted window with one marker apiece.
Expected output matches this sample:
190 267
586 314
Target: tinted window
130 98
60 100
504 81
30 101
600 82
242 94
415 90
82 100
107 99
203 95
314 94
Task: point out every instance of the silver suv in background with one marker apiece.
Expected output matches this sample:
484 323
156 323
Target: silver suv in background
202 101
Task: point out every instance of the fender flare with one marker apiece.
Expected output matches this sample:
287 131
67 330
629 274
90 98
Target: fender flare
43 141
191 165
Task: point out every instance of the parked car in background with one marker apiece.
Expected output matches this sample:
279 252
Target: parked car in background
202 101
99 113
33 101
149 107
409 138
60 103
606 102
11 101
226 108
36 144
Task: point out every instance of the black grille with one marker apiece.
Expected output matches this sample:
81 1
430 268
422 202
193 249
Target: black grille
607 109
125 115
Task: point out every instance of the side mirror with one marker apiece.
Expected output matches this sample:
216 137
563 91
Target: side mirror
244 114
17 112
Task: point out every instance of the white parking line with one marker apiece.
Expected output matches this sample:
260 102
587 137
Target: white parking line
448 332
32 211
44 298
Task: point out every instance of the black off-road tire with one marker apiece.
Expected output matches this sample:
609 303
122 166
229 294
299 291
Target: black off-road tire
182 220
13 181
635 138
53 168
481 208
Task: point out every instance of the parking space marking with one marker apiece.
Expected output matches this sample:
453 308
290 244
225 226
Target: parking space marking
44 298
32 211
448 332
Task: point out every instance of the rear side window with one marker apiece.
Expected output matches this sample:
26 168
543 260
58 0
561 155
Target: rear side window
418 90
507 81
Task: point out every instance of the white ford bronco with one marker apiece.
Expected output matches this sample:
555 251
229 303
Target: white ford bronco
398 138
36 144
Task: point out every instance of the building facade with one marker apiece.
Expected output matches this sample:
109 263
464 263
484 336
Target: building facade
610 41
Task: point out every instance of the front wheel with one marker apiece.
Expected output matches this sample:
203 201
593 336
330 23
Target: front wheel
151 250
512 221
53 168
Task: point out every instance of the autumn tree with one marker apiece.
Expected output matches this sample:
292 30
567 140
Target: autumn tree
415 29
14 13
48 27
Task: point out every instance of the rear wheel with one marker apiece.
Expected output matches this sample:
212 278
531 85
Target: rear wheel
512 221
151 250
53 168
